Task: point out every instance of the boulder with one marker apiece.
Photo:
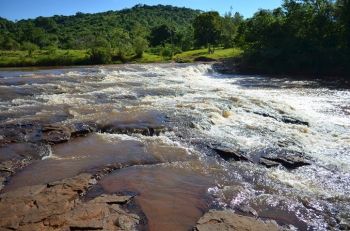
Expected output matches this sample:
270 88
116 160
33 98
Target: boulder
228 221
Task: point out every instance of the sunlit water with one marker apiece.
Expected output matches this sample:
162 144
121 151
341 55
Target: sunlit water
199 107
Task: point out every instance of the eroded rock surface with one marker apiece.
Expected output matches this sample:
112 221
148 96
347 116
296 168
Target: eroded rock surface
229 221
57 206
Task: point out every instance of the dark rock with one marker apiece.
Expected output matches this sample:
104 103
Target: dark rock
287 158
134 129
82 128
148 123
284 119
55 134
290 120
34 132
204 59
229 154
268 163
16 132
226 66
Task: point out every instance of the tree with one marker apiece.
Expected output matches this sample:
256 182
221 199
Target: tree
138 36
161 34
9 43
207 29
140 45
121 43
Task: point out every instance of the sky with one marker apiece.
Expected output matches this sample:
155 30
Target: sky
23 9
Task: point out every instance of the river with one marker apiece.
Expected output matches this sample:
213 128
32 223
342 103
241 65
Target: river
186 139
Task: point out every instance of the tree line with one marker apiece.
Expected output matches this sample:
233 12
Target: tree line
300 37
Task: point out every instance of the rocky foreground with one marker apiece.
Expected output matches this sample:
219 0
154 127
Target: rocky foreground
61 206
64 204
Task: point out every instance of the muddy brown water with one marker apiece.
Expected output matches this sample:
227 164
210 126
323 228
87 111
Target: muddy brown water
177 176
171 198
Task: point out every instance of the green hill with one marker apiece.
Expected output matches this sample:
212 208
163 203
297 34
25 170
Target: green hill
77 32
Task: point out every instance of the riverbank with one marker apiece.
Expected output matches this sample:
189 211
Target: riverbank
82 57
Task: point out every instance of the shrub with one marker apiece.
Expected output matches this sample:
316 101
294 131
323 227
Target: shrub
100 55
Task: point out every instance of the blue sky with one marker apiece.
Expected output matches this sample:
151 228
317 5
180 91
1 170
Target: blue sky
22 9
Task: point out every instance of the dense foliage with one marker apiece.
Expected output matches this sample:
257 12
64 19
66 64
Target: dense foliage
120 33
301 37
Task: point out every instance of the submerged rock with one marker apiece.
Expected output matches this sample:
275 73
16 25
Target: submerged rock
284 119
57 206
228 221
148 123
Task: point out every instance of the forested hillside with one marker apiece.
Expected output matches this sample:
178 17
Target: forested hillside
80 30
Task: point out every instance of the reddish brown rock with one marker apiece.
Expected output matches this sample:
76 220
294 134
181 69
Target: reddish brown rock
57 206
229 221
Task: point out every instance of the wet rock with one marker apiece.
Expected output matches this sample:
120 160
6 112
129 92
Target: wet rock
82 128
18 151
226 114
227 220
226 66
136 129
15 156
57 206
272 157
284 119
11 133
148 123
290 120
229 153
34 133
268 163
204 59
247 210
55 134
288 161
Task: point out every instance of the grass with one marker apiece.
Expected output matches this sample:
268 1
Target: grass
81 57
150 58
220 53
43 58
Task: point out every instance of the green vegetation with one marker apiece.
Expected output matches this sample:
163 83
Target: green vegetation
202 55
140 34
43 58
300 37
102 56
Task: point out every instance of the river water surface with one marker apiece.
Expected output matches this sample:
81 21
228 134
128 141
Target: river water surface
178 175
